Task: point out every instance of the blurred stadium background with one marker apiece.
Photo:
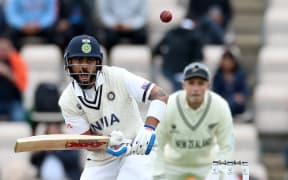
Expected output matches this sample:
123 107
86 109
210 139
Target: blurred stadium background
259 28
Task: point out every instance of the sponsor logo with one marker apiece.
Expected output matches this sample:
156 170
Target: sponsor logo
69 126
84 144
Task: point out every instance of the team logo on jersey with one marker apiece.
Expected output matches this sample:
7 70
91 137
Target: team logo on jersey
212 126
86 46
173 129
111 95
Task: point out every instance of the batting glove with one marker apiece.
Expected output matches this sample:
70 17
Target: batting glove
118 145
144 141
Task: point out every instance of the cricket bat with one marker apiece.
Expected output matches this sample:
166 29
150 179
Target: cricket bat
60 142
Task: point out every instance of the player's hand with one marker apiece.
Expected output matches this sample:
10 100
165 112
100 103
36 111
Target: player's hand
118 145
144 141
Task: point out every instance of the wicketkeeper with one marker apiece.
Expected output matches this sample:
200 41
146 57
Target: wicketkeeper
197 129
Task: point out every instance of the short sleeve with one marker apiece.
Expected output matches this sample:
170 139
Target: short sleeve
75 119
75 124
138 87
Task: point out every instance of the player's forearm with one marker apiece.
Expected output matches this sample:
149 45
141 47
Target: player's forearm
157 93
157 106
89 132
151 121
145 138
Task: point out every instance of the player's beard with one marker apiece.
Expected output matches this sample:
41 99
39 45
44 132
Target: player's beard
90 82
85 84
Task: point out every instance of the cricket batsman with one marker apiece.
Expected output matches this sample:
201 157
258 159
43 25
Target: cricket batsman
102 100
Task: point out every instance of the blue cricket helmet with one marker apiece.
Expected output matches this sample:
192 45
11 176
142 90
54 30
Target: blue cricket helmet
83 46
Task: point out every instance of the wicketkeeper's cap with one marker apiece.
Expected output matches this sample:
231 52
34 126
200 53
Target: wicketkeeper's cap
196 69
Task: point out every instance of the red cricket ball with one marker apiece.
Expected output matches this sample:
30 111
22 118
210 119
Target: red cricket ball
166 16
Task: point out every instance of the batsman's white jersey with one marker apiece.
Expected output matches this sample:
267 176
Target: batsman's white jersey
189 140
110 105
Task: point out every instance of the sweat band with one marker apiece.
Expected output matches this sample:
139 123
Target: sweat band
157 109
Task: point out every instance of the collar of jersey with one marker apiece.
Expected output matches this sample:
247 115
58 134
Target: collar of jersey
203 105
99 82
100 79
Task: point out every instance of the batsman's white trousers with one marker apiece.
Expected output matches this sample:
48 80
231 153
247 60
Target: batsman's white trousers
125 168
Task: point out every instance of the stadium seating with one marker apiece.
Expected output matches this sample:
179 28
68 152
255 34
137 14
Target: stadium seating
273 78
277 39
247 146
44 65
136 58
212 56
156 28
270 95
273 58
278 3
271 108
14 166
272 21
272 64
246 134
